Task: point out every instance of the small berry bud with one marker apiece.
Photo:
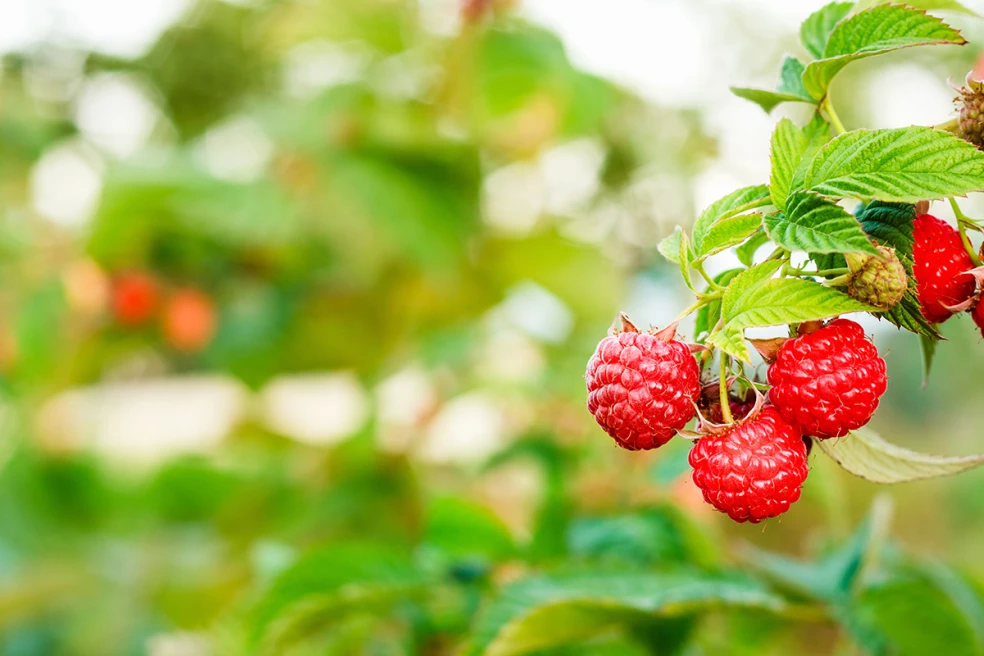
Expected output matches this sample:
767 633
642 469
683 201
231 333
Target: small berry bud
878 281
970 106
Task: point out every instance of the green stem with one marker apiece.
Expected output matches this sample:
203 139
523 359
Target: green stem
696 306
723 373
839 281
953 125
832 115
962 221
823 273
777 254
699 267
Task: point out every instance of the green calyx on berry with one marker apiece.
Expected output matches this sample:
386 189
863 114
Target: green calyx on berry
878 281
970 107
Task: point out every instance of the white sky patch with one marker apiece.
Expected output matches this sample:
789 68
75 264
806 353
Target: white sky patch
406 397
537 312
655 48
570 174
117 27
508 355
318 409
145 422
320 63
889 94
513 198
468 428
237 150
114 113
66 183
440 17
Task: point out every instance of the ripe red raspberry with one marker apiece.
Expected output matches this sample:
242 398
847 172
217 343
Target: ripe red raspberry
189 320
828 382
753 471
135 298
939 256
977 314
642 387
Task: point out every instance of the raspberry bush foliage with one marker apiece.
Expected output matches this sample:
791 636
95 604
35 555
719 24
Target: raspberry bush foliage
842 227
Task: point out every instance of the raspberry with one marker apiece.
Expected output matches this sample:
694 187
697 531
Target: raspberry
642 387
878 281
828 382
135 298
939 256
189 320
753 471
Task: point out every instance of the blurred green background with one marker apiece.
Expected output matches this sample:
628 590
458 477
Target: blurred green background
296 302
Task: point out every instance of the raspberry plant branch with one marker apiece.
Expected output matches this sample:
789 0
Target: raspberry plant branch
723 389
828 107
854 205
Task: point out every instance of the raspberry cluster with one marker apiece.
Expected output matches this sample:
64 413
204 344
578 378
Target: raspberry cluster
823 382
644 388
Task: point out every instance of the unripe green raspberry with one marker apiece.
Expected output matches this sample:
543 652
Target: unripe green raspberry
878 281
970 105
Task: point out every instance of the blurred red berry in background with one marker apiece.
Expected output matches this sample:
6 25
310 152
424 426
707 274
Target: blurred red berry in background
189 320
135 298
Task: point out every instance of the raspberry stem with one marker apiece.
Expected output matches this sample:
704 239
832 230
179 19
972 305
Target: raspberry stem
962 222
832 115
822 273
723 386
699 266
839 281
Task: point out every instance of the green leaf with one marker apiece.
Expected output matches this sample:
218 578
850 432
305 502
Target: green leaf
464 529
815 30
908 315
685 262
747 251
875 31
817 133
960 592
708 315
789 88
865 454
792 150
791 78
339 577
951 6
788 145
669 247
755 299
814 224
729 232
768 100
832 576
928 350
646 537
892 225
749 197
543 613
910 617
902 164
